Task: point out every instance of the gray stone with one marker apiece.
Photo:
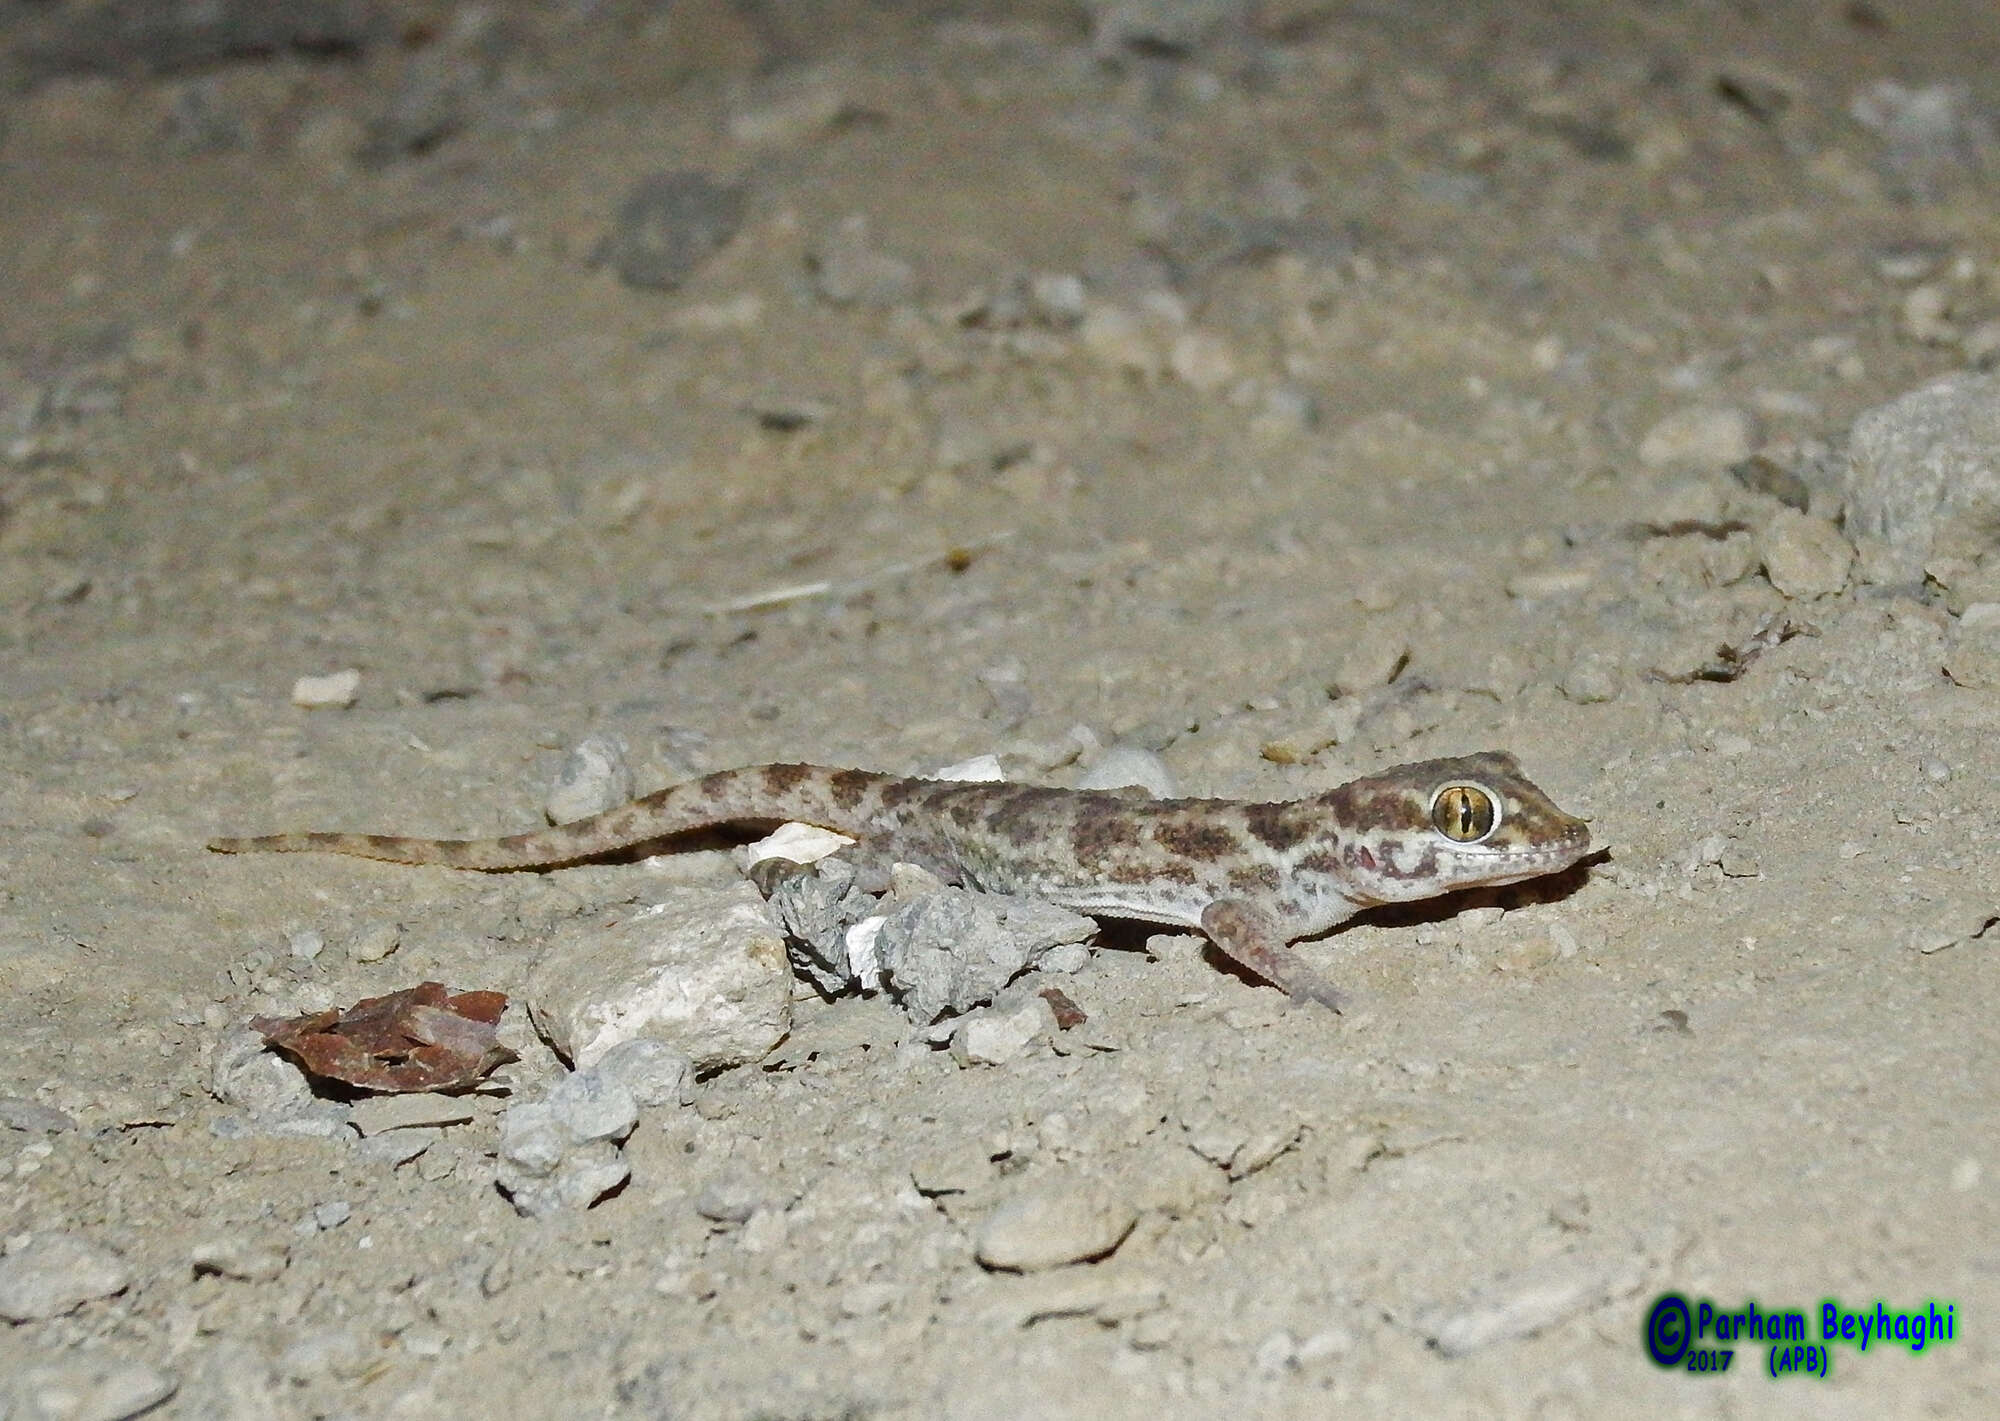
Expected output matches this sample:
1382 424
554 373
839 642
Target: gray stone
668 225
1923 475
532 1141
703 970
587 1106
954 949
817 904
593 777
56 1273
1070 1220
653 1072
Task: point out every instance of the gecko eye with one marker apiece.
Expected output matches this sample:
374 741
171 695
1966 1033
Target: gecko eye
1464 813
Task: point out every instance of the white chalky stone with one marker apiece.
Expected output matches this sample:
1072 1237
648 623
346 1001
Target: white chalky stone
335 691
703 970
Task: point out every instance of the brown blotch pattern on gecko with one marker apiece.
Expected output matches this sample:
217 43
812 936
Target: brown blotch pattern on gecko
1254 876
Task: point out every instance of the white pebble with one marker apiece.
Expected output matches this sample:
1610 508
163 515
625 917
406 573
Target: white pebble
795 843
1701 436
1123 765
307 943
335 691
996 1036
980 769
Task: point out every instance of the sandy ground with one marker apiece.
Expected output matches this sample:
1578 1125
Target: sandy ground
1284 396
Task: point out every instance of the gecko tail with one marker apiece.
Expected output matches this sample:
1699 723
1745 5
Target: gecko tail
516 851
766 794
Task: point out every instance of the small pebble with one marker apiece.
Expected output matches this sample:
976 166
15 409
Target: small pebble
1059 1222
245 1073
1590 679
668 225
335 691
651 1072
1804 556
1702 437
587 1107
1057 298
307 943
997 1036
56 1273
376 943
1122 765
1202 360
593 777
729 1199
849 270
1936 770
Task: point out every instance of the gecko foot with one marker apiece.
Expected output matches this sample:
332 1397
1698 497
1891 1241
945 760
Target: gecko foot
1251 937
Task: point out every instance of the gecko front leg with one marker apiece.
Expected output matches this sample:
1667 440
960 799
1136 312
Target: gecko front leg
1251 936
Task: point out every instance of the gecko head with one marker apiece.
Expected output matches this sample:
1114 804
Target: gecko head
1436 826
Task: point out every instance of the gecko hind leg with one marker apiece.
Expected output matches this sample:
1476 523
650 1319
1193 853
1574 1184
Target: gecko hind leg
1250 936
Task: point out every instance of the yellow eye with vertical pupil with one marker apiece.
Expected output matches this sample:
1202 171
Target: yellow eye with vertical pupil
1463 813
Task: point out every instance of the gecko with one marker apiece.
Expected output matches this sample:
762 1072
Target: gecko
1253 876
